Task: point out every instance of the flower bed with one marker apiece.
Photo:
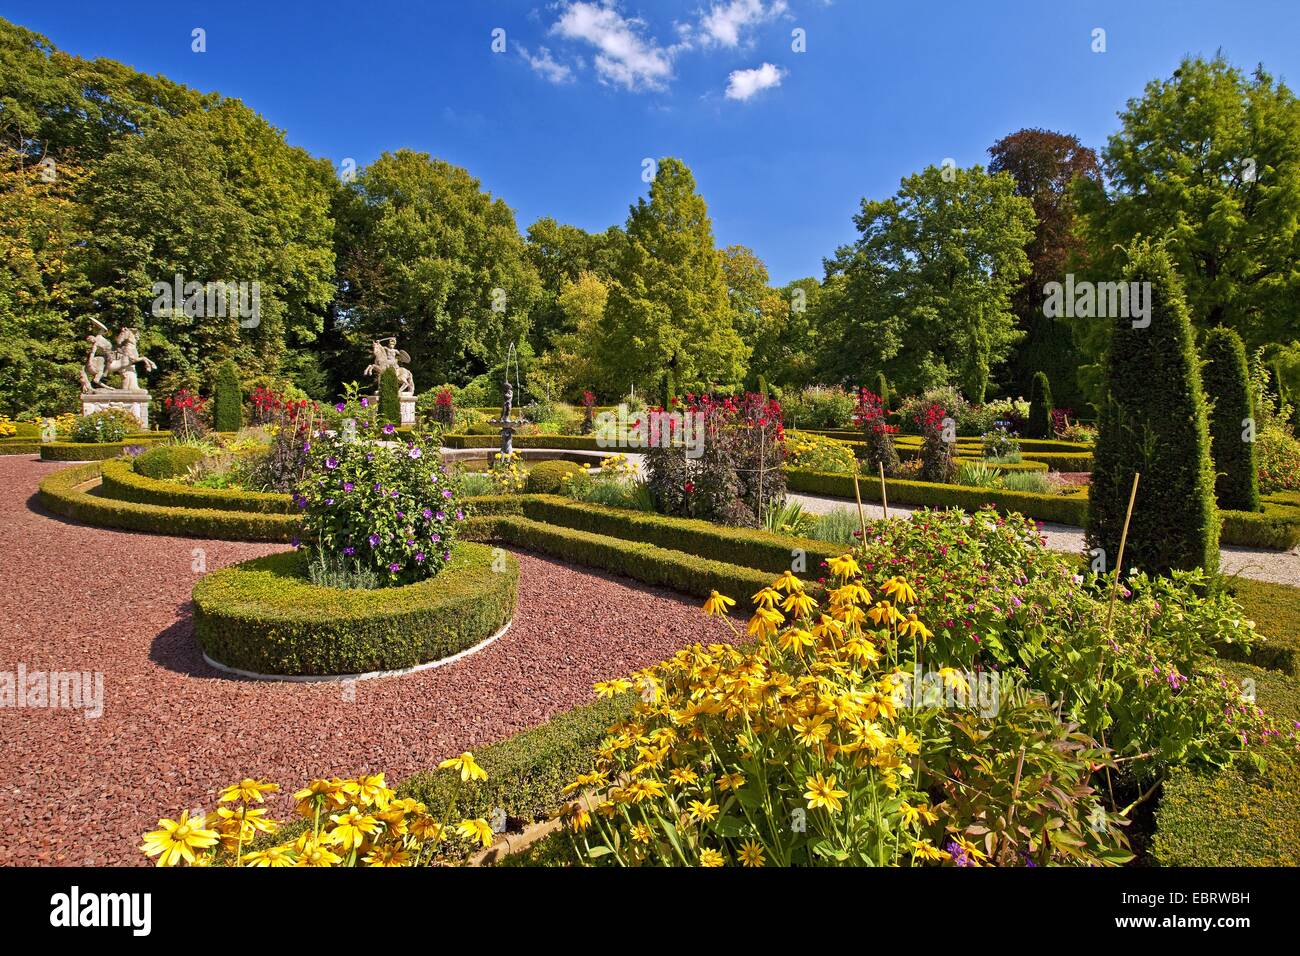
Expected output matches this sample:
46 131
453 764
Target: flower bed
266 617
560 442
122 482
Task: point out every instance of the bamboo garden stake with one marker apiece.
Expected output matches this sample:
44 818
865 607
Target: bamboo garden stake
1119 562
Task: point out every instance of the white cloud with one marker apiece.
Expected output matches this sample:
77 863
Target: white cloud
742 84
625 56
546 65
725 22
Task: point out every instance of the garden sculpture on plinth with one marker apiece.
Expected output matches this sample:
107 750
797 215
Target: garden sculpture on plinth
507 424
387 355
111 357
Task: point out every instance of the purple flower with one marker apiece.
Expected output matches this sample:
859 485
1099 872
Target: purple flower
415 453
374 540
446 555
347 486
435 538
331 462
295 542
446 492
389 429
394 567
419 557
339 407
441 516
349 551
365 403
329 501
460 515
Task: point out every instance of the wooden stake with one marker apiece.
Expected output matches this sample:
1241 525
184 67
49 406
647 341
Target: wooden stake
862 517
1119 562
884 498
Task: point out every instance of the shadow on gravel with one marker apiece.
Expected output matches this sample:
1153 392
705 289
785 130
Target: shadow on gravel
175 648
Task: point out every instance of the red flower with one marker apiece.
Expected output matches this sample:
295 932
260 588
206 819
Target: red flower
689 487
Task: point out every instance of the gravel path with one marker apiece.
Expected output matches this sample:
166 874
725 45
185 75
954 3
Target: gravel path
173 731
1280 567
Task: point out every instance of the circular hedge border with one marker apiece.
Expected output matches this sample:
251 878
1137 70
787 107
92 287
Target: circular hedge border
264 617
95 451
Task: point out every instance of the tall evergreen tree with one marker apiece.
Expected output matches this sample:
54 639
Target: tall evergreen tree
1232 445
1040 406
1154 422
227 399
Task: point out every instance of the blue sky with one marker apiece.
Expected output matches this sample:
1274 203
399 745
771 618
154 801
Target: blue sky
783 144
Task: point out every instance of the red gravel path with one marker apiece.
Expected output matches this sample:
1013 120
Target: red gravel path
174 731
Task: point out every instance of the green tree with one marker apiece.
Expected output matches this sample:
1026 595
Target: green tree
1232 439
927 288
430 257
1206 160
1154 422
1040 406
759 312
577 354
668 303
227 399
1045 165
219 199
561 254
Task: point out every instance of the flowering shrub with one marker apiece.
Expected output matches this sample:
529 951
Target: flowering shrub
187 414
879 434
818 453
803 749
271 407
588 412
617 484
936 448
820 406
739 472
357 822
1002 444
7 427
1277 458
508 473
444 408
104 427
389 509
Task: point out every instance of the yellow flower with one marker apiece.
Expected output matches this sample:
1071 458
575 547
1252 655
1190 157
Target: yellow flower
641 833
717 604
387 856
612 688
476 830
799 603
751 854
683 776
914 628
884 614
469 770
248 791
311 853
351 829
900 591
927 851
843 566
372 790
276 856
320 792
953 678
644 789
577 816
702 811
176 840
796 639
766 597
788 582
812 731
246 821
764 622
822 793
731 781
711 858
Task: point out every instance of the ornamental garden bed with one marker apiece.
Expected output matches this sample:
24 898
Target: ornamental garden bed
97 451
265 618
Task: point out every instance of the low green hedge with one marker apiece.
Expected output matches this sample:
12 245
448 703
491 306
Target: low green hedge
682 572
748 547
19 446
547 477
92 451
1060 460
1237 817
526 772
59 493
265 616
121 482
1275 609
168 461
1064 509
561 442
1277 527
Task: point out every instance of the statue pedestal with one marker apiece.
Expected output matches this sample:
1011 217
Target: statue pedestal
135 401
407 403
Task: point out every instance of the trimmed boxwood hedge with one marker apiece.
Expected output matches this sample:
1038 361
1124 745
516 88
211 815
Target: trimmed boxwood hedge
93 451
15 445
1275 609
168 461
682 572
122 482
547 477
750 547
560 442
265 616
526 772
59 493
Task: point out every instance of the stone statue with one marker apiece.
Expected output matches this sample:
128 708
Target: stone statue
110 357
387 355
508 402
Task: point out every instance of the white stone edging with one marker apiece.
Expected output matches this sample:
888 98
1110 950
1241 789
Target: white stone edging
368 675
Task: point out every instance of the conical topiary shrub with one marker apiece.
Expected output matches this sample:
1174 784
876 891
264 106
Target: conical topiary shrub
390 405
1154 421
1232 431
1040 407
227 399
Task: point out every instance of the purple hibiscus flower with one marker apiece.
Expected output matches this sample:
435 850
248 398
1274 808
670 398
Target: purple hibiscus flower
349 551
389 428
347 486
427 512
419 557
415 453
374 540
394 567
